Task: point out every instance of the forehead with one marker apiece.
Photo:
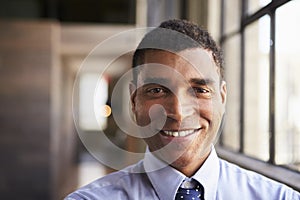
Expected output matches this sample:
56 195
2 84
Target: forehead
189 63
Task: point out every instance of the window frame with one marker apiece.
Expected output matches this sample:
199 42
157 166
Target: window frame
269 168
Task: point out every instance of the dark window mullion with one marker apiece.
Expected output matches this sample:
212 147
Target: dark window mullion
261 12
242 77
242 93
222 25
221 40
272 90
184 9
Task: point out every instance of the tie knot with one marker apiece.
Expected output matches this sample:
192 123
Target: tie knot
190 190
189 184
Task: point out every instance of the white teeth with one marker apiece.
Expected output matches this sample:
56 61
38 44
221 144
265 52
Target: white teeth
178 133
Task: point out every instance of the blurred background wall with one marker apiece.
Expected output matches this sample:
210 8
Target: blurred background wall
42 45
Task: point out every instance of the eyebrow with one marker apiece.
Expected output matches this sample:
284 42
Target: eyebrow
202 81
164 81
156 80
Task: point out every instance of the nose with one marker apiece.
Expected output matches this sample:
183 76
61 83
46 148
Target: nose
180 106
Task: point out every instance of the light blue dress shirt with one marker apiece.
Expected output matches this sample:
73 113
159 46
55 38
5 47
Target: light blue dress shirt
221 180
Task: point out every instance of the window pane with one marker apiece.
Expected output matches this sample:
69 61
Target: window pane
232 15
232 77
93 94
288 85
254 5
257 88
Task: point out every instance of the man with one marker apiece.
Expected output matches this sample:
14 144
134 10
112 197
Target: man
178 97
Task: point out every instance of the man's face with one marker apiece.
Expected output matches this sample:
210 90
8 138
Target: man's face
185 92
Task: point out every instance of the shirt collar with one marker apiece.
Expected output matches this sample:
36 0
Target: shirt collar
166 180
208 175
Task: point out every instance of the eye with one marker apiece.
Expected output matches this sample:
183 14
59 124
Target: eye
156 91
200 92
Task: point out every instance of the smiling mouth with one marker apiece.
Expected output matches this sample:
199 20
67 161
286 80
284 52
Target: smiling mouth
183 133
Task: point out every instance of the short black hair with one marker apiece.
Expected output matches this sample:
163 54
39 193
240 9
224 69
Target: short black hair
177 35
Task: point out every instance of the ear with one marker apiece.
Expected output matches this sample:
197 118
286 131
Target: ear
223 92
132 92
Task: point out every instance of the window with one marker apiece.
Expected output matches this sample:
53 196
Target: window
287 86
231 54
256 88
93 96
254 5
260 43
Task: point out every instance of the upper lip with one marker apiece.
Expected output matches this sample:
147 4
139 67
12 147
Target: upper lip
182 132
181 129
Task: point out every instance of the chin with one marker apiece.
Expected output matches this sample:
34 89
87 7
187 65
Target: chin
180 159
181 163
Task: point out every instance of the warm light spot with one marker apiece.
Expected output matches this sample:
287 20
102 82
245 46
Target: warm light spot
106 111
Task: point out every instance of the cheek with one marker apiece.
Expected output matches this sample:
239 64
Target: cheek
142 114
216 116
206 109
147 111
211 109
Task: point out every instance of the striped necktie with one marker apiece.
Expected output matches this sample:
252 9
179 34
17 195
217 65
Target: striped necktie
190 190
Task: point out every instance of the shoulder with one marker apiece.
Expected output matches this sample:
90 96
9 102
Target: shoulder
117 185
253 184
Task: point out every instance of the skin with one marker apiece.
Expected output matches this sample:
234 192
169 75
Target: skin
192 97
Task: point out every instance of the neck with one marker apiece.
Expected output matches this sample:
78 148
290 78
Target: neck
189 169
